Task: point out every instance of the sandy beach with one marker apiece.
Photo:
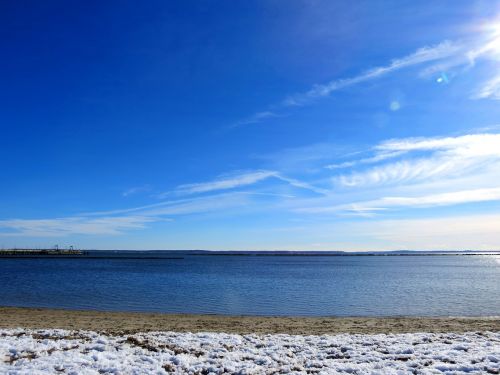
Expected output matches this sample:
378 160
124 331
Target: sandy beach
126 322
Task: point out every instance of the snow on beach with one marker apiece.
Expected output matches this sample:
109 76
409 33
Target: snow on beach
83 352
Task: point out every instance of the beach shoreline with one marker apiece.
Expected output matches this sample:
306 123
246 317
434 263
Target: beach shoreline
112 322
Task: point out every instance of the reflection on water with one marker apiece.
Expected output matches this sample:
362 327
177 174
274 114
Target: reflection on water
260 285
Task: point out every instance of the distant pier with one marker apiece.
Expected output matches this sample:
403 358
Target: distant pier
27 253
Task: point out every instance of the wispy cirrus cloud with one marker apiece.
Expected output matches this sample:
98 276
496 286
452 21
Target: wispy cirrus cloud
404 173
196 205
446 157
395 174
238 180
61 227
432 200
227 182
305 159
407 171
136 190
432 60
490 89
380 156
413 173
303 185
469 144
448 198
256 118
213 199
115 222
223 202
422 55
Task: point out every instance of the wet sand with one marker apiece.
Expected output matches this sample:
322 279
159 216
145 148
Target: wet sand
126 322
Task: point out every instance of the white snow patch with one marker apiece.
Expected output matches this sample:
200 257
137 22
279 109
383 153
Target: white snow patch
84 352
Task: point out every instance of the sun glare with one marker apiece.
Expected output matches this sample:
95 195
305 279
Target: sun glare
491 26
492 30
496 28
495 31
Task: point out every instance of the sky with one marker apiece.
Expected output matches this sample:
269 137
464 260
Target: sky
250 125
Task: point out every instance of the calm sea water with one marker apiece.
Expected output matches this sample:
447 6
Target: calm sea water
260 285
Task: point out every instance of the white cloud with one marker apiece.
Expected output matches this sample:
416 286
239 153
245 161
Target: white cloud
489 47
240 180
412 172
467 145
449 198
392 165
136 190
60 227
302 185
491 89
214 203
225 183
447 157
256 118
380 156
118 221
306 159
422 55
406 171
432 200
443 57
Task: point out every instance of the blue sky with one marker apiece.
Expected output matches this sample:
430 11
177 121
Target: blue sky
311 125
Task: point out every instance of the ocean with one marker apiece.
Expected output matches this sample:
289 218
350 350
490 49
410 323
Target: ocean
438 285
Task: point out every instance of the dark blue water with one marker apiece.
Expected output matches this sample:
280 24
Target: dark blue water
260 285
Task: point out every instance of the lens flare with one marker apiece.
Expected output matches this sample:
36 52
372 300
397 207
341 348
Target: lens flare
443 78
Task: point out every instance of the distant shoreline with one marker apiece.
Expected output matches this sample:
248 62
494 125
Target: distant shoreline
180 254
132 322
